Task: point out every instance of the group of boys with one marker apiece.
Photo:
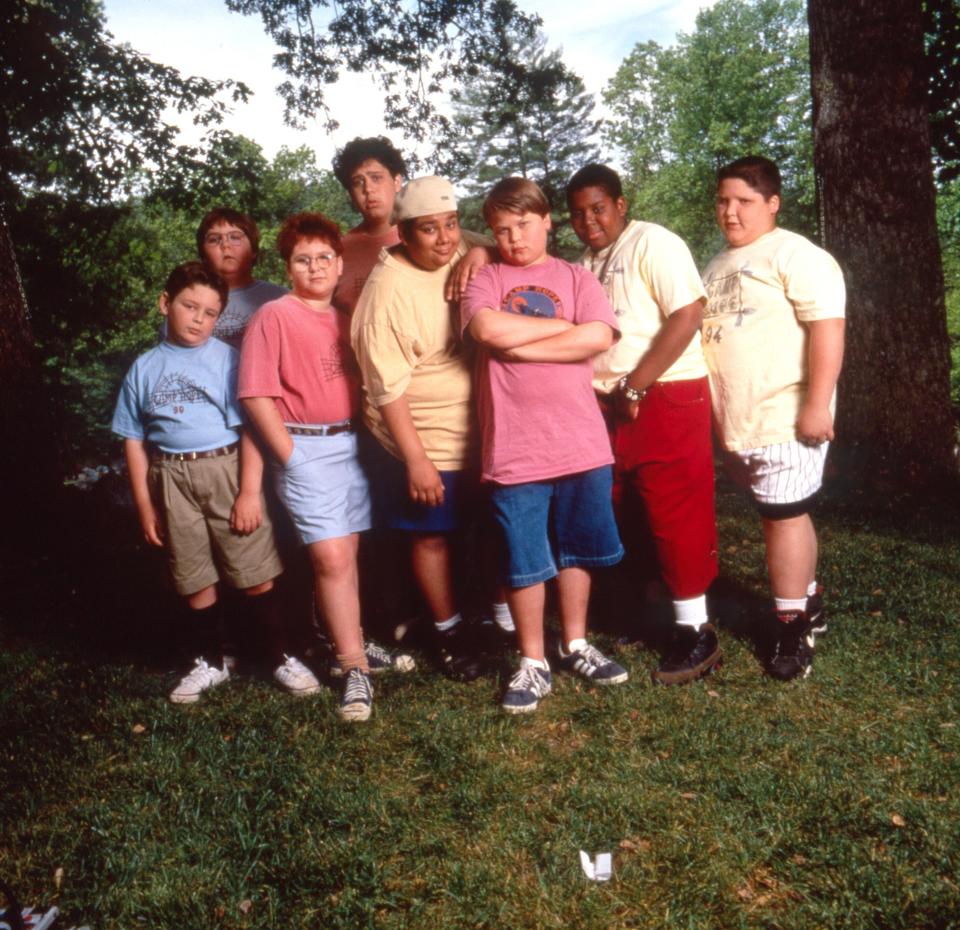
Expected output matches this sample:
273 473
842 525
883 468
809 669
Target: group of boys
568 393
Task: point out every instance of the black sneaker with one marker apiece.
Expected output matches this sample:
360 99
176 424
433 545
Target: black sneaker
815 612
791 647
590 663
694 653
460 652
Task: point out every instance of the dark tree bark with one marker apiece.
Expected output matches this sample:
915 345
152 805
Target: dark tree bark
30 466
876 196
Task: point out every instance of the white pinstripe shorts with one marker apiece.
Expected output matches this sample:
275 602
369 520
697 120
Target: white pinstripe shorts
784 473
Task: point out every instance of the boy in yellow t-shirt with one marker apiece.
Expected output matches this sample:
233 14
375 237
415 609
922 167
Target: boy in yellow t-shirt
773 336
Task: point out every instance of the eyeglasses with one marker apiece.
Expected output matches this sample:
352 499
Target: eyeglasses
234 237
306 262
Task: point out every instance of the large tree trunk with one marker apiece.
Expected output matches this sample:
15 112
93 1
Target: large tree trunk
875 184
30 471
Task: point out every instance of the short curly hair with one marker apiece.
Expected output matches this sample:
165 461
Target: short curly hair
308 226
359 150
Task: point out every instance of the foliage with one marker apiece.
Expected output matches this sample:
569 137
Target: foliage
942 28
738 84
734 802
534 120
98 311
417 51
78 112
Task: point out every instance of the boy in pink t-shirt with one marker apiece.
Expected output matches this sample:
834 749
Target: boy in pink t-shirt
298 383
545 449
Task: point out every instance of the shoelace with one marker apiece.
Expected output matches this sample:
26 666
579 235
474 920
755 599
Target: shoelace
592 656
357 688
528 679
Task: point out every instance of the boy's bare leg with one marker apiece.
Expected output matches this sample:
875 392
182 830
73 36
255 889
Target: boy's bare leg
791 555
337 586
206 597
526 605
573 588
430 555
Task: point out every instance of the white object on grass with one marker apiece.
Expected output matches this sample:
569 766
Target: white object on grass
599 871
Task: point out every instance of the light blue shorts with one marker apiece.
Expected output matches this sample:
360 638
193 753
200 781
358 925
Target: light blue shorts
324 488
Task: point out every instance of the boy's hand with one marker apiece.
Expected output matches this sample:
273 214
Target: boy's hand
246 514
423 482
465 271
151 524
814 425
626 409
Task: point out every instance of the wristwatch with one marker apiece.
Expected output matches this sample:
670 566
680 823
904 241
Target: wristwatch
631 394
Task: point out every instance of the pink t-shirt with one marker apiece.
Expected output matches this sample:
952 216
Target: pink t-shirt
360 253
538 420
302 358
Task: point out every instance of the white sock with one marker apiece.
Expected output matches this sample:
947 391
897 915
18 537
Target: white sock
575 645
812 588
691 612
449 623
526 662
502 617
790 604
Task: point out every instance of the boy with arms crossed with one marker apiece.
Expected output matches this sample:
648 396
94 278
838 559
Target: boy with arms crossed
194 492
653 388
773 339
545 451
298 385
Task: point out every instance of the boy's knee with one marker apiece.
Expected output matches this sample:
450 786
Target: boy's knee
776 513
258 589
332 558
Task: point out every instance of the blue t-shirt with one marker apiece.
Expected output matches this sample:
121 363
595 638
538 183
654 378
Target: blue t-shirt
181 399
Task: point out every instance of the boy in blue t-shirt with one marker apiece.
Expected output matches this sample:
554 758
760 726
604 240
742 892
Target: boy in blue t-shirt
196 478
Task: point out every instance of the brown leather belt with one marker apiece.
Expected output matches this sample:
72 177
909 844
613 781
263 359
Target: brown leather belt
161 456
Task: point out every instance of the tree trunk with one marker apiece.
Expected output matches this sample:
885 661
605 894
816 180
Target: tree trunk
876 199
30 463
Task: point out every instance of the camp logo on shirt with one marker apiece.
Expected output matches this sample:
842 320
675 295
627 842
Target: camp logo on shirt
176 389
531 300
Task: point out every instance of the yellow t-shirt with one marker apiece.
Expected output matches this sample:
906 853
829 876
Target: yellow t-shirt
648 273
407 343
759 297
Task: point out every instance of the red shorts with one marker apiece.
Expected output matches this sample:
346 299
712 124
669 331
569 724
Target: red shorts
664 461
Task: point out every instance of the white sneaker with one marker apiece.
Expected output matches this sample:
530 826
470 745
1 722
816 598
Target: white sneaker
295 677
196 681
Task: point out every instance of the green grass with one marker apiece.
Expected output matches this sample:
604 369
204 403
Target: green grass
735 802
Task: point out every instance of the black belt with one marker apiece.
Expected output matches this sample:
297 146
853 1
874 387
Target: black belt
332 430
162 456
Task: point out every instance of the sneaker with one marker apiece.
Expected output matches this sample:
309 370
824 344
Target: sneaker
526 688
494 639
197 680
791 649
295 677
815 612
356 701
460 652
590 663
379 660
693 655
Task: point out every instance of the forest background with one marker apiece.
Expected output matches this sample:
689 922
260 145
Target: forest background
98 223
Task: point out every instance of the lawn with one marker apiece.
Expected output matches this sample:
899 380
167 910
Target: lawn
734 802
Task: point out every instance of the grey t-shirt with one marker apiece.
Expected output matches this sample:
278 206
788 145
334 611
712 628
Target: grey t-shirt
242 304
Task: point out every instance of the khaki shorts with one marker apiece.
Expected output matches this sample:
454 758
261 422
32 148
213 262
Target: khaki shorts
196 498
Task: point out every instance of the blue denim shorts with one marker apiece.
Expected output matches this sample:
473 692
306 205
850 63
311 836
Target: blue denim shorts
566 522
394 510
324 488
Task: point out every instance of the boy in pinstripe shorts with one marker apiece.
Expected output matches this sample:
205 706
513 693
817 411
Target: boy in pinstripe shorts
773 335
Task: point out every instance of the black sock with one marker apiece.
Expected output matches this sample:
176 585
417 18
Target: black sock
208 632
265 614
